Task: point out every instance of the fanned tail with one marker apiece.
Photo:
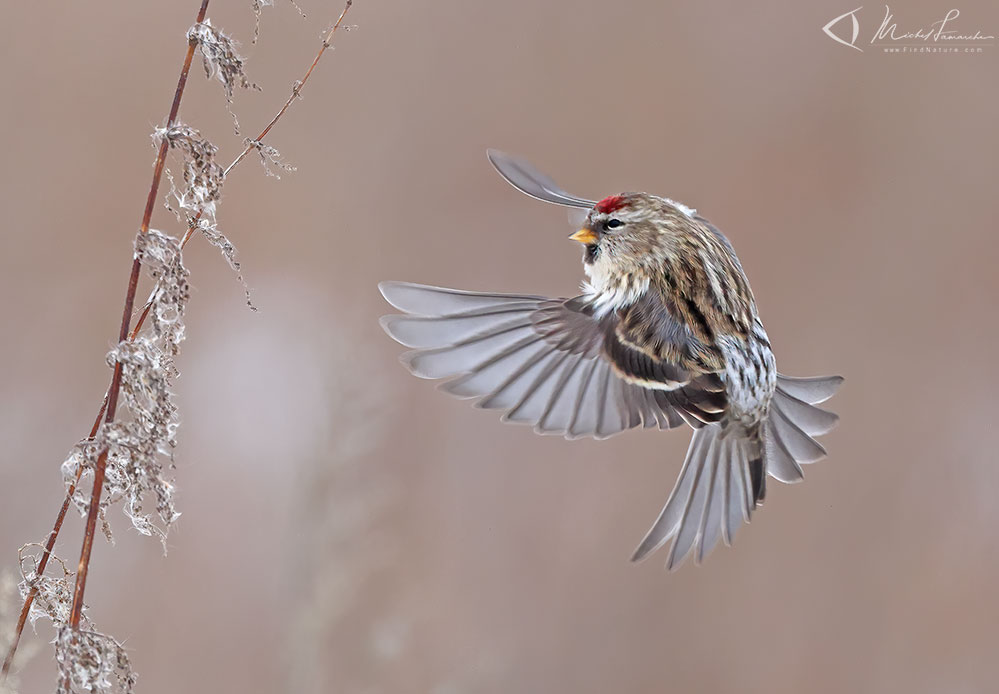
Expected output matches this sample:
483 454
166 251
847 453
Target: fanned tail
793 421
723 478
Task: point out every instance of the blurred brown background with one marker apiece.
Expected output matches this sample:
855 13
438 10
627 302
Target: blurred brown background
347 528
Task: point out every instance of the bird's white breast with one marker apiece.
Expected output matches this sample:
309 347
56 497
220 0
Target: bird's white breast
609 290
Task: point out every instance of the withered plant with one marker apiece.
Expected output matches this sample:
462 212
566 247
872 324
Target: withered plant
127 458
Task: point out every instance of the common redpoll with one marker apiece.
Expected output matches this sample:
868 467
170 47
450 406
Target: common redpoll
666 331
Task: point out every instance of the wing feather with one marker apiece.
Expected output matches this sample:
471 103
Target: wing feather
814 421
428 332
470 355
584 415
424 300
802 447
522 175
558 413
544 361
780 463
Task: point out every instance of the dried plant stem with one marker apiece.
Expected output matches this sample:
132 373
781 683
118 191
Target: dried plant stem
109 405
296 90
133 282
107 409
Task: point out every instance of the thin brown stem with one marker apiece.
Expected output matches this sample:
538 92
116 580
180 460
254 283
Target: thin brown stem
296 90
126 317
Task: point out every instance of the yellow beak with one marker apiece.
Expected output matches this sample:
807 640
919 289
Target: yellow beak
586 236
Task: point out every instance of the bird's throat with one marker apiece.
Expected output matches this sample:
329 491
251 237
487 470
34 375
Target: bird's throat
610 287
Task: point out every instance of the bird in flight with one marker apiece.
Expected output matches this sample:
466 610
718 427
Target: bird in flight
665 333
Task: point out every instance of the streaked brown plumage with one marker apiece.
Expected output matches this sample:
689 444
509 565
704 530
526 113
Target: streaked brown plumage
665 332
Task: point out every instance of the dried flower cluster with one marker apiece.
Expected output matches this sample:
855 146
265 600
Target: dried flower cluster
139 446
203 176
88 660
194 204
220 57
162 257
54 595
269 157
140 442
92 662
216 238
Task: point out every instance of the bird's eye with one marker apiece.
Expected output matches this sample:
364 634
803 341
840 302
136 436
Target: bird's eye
613 224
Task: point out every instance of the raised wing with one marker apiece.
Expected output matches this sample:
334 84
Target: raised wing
524 177
540 359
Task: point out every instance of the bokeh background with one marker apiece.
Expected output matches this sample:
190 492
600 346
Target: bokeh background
347 528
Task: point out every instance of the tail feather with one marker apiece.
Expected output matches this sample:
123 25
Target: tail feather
723 478
802 447
758 475
793 421
811 390
814 421
715 493
780 463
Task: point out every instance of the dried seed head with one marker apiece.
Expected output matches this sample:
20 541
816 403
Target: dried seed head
215 237
54 594
222 60
220 57
88 660
209 229
140 442
203 176
92 662
163 259
269 157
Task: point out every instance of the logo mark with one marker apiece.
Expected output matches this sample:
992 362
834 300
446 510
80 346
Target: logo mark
852 14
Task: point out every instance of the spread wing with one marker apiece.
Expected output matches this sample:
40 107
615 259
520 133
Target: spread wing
544 361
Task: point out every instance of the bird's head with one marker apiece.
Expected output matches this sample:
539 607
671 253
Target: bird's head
625 232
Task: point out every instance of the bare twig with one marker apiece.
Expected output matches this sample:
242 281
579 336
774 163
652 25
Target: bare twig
295 91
